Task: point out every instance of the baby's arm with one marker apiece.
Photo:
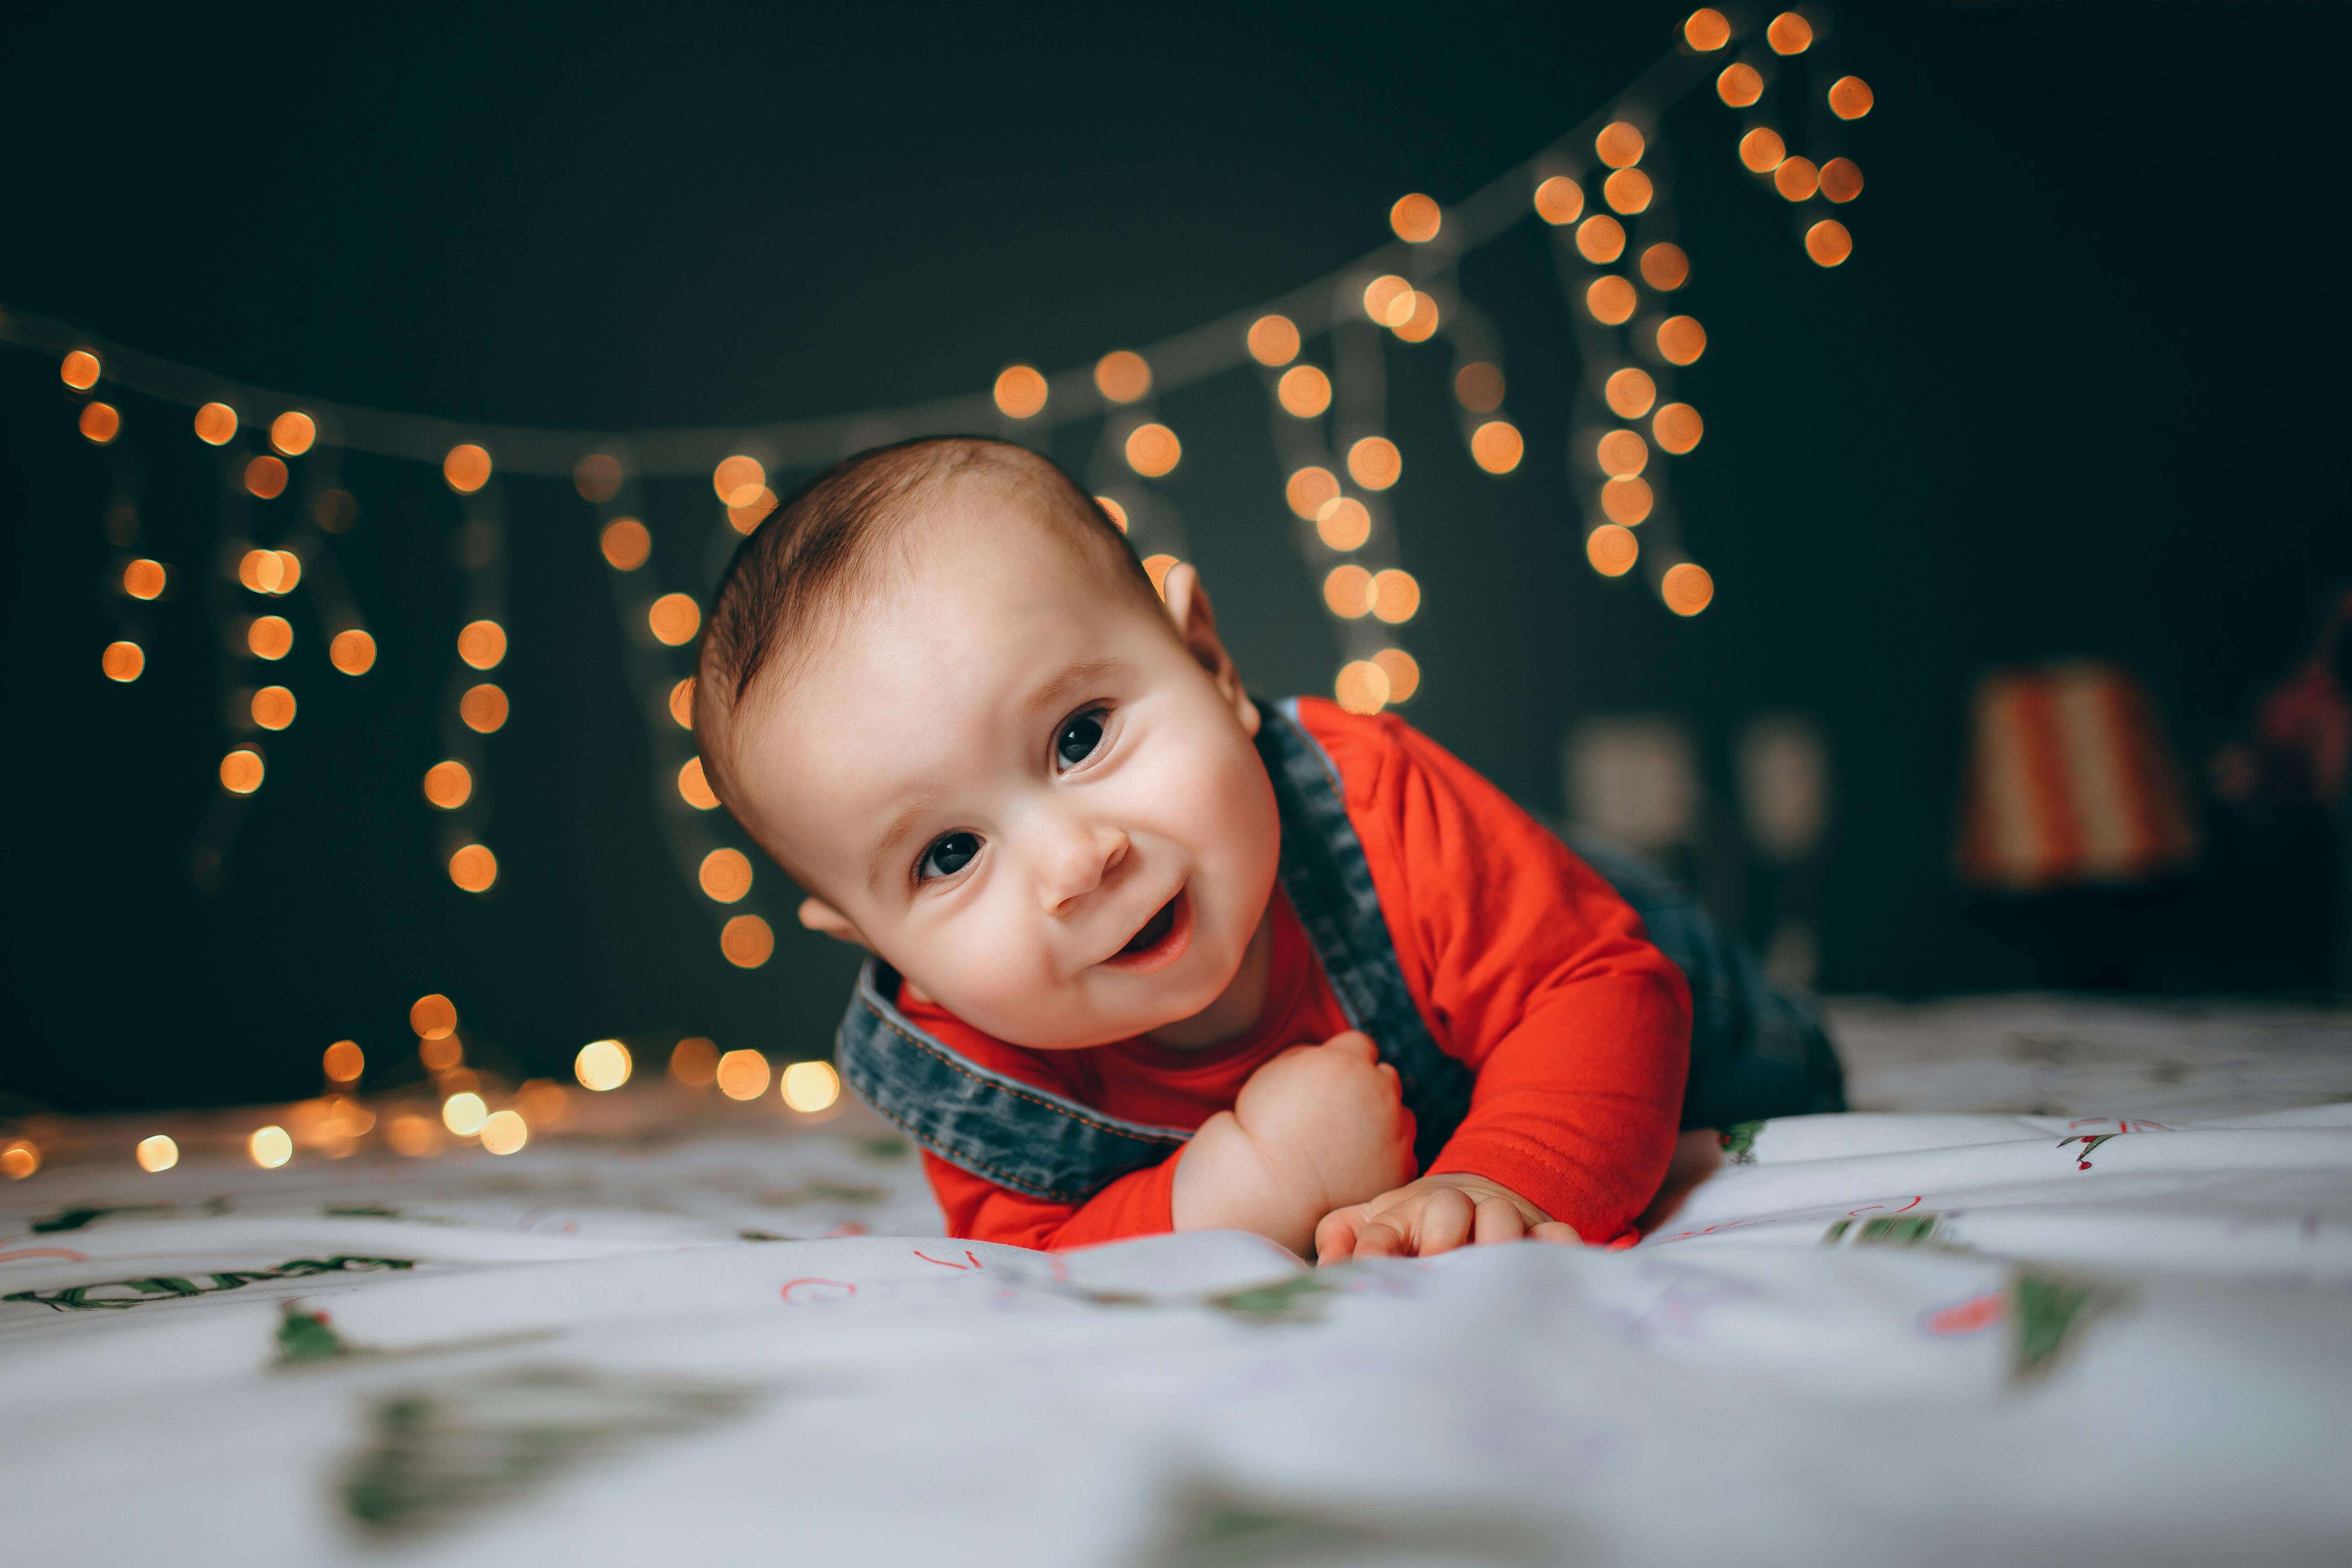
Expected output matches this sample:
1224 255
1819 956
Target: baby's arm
1316 1128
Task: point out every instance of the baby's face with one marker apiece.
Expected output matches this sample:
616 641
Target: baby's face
1025 792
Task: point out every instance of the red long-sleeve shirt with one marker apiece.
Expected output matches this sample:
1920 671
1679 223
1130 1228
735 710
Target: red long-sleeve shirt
1525 964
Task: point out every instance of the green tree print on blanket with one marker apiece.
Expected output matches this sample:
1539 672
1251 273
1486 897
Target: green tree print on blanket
113 1295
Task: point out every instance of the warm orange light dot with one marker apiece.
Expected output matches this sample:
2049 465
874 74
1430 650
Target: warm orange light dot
270 1147
1343 524
1416 219
273 708
1421 322
1122 376
483 708
693 788
1497 445
215 423
1621 454
1627 191
157 1153
101 421
1113 511
810 1087
1841 179
1309 488
694 1062
505 1131
260 571
1559 200
433 1016
352 651
602 1066
19 1158
1851 98
597 477
726 876
413 1135
1612 550
78 369
293 432
1761 150
1681 340
1020 391
241 772
1402 670
1686 588
448 784
1157 567
1677 427
626 543
473 867
345 1061
1153 450
752 507
737 474
144 579
1739 86
681 703
1304 391
467 468
1618 145
743 1075
1478 388
269 637
1790 33
746 941
1396 596
1273 340
1665 268
1362 686
1388 300
1375 463
123 661
1601 239
1630 393
266 477
482 643
674 618
1827 243
1706 30
1610 301
1348 592
1796 179
289 569
1625 500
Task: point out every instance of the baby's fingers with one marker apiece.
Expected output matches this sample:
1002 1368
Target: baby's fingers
1556 1233
1335 1235
1499 1220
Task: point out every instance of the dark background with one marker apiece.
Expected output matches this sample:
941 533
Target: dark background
2077 393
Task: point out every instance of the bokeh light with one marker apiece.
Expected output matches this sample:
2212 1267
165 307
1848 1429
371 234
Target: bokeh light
1841 179
1796 179
1851 98
737 476
413 1135
265 477
1309 488
289 569
742 1075
1610 300
627 543
746 941
1402 670
597 477
293 432
681 703
694 1062
505 1131
1344 523
482 643
1677 427
1497 445
693 788
467 468
602 1066
344 1062
1421 324
1665 267
1303 392
124 661
352 651
448 784
101 421
215 423
1611 549
78 369
270 1147
747 514
1761 150
1630 393
1628 191
433 1016
1559 200
1153 450
1273 340
1157 568
726 876
144 579
241 771
1621 454
1827 243
1122 376
19 1158
1788 33
674 618
1686 588
157 1153
1396 596
1601 239
1361 687
1739 86
464 1113
1681 340
1416 219
1478 388
810 1087
1375 463
1618 145
1626 500
1019 391
484 707
1706 30
1348 591
260 571
1113 511
273 708
1388 300
473 867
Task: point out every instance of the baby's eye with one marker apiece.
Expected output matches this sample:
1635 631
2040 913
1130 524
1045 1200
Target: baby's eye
948 854
1079 737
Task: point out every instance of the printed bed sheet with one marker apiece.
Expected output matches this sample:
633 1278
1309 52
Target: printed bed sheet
2118 1332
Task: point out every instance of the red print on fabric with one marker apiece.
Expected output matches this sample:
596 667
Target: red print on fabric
1971 1316
814 1291
948 1263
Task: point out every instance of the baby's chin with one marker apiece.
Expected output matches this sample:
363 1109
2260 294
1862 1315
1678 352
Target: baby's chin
1075 1021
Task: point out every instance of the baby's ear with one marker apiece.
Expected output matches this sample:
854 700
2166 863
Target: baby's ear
1196 629
818 915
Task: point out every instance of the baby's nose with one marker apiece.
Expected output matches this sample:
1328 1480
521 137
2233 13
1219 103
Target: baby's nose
1080 859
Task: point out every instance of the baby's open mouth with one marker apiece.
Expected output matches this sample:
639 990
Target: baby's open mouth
1162 939
1157 927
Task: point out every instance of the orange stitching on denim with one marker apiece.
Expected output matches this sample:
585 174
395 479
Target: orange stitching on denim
949 1058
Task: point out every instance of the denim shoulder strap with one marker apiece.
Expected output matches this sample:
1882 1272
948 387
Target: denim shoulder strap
1330 885
1015 1135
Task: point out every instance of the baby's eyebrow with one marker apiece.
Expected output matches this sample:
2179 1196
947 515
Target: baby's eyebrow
879 860
1078 675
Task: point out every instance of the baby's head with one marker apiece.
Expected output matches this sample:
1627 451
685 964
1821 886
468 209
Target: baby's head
937 686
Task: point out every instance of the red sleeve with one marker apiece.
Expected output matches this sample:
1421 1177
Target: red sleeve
1529 967
1137 1204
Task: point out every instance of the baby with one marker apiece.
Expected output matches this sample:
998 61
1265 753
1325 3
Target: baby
1147 954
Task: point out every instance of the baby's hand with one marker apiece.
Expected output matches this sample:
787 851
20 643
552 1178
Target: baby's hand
1436 1213
1316 1127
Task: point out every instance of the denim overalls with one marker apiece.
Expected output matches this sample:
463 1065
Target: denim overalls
1755 1052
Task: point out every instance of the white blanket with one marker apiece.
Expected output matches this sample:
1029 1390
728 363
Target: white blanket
1917 1339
